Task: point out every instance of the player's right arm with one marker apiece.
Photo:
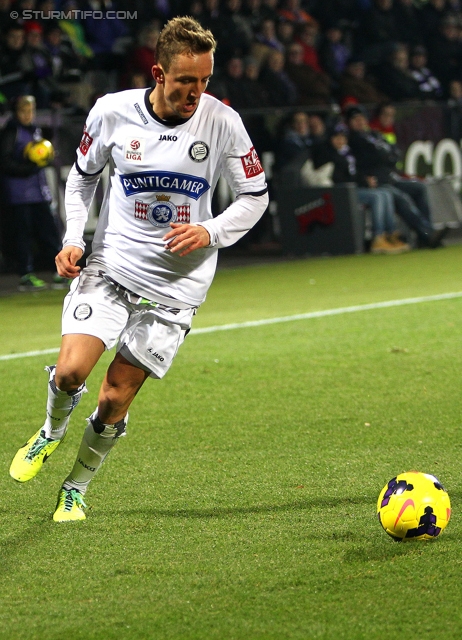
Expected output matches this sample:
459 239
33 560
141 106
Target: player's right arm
81 184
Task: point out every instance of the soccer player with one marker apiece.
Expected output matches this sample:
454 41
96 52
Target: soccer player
154 251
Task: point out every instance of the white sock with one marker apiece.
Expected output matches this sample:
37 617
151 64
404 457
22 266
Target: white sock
98 440
60 405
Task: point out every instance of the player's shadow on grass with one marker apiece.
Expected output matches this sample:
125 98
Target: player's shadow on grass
224 512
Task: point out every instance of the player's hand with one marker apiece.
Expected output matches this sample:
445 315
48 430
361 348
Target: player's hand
66 261
184 238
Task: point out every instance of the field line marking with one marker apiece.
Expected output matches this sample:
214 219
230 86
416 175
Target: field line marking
299 316
328 312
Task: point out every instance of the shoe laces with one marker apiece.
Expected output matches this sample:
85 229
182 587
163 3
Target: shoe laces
37 447
71 496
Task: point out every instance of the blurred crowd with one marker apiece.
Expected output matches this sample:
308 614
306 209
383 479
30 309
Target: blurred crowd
305 58
271 53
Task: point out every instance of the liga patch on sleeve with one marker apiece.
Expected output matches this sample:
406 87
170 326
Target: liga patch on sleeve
86 142
251 163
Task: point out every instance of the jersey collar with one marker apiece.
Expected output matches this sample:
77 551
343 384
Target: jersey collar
166 123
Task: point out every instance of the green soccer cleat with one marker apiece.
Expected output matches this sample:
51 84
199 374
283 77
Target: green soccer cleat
70 506
29 459
30 282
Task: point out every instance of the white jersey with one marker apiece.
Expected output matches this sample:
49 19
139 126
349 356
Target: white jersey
161 173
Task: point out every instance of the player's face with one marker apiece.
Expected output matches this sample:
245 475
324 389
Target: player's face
182 85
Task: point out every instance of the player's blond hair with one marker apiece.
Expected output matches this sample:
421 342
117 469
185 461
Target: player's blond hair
182 35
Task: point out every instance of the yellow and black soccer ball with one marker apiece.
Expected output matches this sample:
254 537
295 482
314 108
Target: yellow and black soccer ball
413 506
40 152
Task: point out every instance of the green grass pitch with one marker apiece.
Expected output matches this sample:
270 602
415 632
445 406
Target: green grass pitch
241 505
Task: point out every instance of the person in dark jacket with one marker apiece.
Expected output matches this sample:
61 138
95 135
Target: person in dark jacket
27 194
335 150
377 159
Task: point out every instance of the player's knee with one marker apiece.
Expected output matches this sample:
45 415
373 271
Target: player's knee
68 380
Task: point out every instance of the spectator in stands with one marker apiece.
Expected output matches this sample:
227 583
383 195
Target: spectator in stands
395 77
265 41
233 33
104 34
313 88
295 144
333 52
254 14
285 31
429 85
353 83
378 32
269 9
317 127
39 59
430 17
376 159
27 194
307 36
280 89
384 121
292 11
68 69
406 17
15 67
6 21
455 93
335 150
74 31
143 56
445 52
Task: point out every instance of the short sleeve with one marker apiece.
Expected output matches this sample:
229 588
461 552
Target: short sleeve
242 168
93 151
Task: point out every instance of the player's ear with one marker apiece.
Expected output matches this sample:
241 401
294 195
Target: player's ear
158 74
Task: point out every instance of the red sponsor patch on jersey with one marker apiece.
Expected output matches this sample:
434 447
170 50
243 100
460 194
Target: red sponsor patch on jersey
251 163
85 143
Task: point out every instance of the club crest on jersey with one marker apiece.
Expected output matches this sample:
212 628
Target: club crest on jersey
198 151
165 181
134 149
162 212
251 164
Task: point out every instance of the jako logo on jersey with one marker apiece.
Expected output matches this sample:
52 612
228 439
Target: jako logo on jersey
86 141
168 138
134 149
251 163
166 181
144 120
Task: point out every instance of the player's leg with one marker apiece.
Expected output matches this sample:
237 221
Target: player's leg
93 317
146 347
66 385
105 426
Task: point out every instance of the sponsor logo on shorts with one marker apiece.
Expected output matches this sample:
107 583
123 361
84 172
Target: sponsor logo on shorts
86 142
165 181
198 151
82 311
154 211
144 120
155 354
134 149
251 164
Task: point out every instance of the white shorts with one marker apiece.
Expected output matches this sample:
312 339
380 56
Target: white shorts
148 336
